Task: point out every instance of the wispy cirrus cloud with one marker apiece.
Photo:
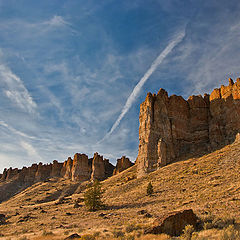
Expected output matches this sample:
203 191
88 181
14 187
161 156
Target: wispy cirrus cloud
31 151
16 91
15 131
57 21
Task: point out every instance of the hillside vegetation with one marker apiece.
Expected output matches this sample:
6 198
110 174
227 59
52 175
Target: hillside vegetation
54 209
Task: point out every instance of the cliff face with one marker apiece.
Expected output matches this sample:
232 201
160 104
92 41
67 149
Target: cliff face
81 168
171 127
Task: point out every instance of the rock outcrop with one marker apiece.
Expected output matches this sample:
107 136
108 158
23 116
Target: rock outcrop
98 168
66 170
122 164
171 127
108 168
81 168
174 223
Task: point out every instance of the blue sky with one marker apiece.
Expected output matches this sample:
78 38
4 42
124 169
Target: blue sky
67 69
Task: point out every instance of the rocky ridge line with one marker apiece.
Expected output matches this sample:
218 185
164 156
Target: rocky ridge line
80 168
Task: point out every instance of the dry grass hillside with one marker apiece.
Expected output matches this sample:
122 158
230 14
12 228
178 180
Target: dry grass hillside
210 185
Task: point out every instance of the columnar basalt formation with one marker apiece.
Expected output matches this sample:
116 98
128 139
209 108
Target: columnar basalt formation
108 168
171 127
66 170
98 168
43 172
81 169
122 164
56 169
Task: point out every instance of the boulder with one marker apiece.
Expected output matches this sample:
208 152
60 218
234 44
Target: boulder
174 223
73 236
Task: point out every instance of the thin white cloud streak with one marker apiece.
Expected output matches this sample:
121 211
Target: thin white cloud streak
15 131
16 91
146 76
31 151
58 21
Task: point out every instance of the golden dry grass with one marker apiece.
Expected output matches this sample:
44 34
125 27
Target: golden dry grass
210 185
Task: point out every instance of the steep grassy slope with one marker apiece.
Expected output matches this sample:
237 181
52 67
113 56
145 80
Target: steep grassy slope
210 185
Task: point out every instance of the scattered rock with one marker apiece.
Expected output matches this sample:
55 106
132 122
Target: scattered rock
174 223
147 215
76 205
73 236
141 212
68 213
25 218
101 214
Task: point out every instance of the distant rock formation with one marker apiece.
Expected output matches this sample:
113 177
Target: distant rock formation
122 164
171 127
81 168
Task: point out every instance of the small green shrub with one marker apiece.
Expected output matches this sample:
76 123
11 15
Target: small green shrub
87 237
208 225
149 189
46 233
187 232
96 234
118 234
230 233
130 237
132 227
23 238
223 222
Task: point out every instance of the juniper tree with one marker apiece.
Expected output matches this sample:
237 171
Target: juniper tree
92 197
149 189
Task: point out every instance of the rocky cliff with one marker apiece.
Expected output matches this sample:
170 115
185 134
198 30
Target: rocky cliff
172 127
80 168
122 164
